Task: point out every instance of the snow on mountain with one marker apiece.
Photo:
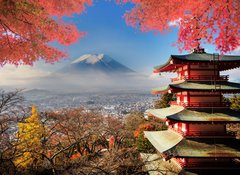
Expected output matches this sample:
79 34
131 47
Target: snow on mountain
95 63
88 58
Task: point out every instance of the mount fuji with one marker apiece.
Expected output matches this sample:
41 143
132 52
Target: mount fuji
95 63
95 72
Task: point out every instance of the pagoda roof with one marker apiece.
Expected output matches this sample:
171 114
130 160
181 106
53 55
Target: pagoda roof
211 147
206 115
154 163
199 86
163 140
177 60
165 112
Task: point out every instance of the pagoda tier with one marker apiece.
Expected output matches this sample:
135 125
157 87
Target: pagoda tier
203 94
172 144
207 86
196 61
194 153
202 123
198 136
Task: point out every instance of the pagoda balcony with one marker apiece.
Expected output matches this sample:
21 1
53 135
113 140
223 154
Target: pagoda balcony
204 134
210 134
202 78
206 165
202 104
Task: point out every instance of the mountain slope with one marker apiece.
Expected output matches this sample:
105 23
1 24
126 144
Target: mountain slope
95 63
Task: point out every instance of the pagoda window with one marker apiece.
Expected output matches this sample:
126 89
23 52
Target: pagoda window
178 99
185 99
184 128
176 126
183 160
167 122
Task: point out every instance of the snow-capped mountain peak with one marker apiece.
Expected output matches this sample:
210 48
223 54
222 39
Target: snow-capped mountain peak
97 63
89 58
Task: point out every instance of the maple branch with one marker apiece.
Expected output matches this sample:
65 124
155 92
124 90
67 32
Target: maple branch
9 44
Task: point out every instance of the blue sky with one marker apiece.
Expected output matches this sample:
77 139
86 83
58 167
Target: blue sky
107 32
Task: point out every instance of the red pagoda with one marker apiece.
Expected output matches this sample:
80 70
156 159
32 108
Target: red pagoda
198 139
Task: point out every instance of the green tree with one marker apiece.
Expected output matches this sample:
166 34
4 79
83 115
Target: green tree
164 101
235 103
143 145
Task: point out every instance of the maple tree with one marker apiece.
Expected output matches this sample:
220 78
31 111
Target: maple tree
30 136
27 27
211 21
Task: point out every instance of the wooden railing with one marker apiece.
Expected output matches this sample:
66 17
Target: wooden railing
202 78
211 133
202 104
213 164
227 134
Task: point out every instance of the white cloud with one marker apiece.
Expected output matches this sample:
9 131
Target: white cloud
233 74
11 75
237 50
175 22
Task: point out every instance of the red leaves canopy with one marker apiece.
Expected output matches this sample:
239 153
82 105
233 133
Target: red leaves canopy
27 27
212 21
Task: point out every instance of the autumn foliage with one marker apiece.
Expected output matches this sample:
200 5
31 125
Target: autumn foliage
30 135
27 27
211 21
143 127
69 141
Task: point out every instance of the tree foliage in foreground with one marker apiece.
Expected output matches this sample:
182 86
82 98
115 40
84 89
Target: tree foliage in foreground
11 106
200 21
29 136
164 101
27 27
70 141
235 103
75 141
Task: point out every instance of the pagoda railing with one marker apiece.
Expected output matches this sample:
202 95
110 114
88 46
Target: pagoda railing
227 134
202 104
202 78
210 133
213 164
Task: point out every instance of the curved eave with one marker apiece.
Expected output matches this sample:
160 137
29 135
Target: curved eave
163 140
201 147
202 120
225 87
161 68
228 62
206 57
206 115
165 68
178 89
161 90
163 113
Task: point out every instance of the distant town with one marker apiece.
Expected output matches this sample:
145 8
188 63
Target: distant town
117 104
